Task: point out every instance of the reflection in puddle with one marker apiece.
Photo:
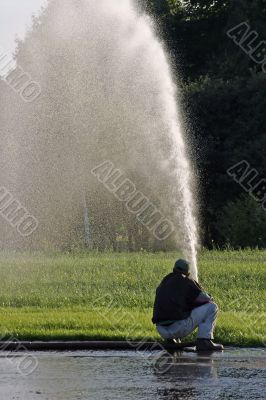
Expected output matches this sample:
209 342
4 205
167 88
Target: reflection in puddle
234 375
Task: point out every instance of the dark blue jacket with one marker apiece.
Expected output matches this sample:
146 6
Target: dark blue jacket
175 298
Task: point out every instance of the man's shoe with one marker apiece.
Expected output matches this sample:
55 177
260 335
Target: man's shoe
208 345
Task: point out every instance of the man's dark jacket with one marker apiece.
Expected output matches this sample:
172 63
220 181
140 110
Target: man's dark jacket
175 298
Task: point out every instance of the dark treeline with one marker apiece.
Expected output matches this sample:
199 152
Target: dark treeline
224 102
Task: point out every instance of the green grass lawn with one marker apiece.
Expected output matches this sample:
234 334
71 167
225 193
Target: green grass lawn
110 296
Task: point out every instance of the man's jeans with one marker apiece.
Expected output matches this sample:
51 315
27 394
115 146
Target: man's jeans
203 317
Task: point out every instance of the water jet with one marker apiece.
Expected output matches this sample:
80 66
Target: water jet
108 93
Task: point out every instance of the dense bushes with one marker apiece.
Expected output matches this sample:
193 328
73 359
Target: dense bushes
228 121
242 223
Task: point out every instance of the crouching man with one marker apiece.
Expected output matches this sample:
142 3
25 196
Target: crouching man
181 305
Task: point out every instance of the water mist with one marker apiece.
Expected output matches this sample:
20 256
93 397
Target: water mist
108 93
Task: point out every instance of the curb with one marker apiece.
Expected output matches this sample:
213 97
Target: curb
91 345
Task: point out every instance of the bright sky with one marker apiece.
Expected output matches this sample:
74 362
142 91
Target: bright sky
15 16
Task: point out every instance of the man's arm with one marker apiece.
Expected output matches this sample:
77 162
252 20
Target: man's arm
203 298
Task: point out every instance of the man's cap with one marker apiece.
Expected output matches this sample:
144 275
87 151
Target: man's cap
182 266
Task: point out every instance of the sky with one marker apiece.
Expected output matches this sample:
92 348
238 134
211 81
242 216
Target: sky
15 16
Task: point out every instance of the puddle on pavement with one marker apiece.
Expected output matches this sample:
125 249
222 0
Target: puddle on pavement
112 375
